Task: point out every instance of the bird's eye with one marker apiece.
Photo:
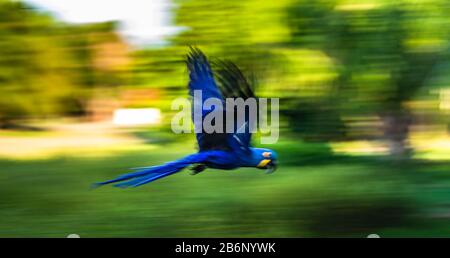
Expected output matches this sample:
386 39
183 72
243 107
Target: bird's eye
266 154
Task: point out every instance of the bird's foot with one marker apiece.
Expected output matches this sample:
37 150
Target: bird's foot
197 169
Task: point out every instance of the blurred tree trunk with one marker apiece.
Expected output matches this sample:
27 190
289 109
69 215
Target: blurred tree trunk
396 131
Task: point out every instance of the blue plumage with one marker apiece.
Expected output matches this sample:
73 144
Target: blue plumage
216 150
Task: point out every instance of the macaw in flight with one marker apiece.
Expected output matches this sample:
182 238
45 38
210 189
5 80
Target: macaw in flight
216 150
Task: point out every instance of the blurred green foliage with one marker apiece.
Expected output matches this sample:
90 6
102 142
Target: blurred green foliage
328 61
344 70
28 84
46 67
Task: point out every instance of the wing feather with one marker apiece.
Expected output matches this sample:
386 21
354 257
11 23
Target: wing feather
201 78
233 84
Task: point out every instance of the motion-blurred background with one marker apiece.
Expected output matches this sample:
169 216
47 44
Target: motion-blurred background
364 88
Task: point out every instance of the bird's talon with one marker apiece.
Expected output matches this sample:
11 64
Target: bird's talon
197 169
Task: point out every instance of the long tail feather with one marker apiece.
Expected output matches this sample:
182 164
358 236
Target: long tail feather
149 174
140 173
145 179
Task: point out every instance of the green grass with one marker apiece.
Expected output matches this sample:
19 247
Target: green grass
312 194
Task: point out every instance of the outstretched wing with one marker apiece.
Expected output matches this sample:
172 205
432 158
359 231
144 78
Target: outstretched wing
231 80
233 84
200 75
201 79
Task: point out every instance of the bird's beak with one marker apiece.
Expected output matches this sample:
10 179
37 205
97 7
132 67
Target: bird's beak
271 167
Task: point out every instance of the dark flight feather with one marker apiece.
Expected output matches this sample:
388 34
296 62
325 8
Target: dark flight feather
225 80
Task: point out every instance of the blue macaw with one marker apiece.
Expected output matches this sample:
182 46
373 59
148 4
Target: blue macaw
216 150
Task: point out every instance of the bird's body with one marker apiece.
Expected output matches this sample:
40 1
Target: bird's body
224 151
234 159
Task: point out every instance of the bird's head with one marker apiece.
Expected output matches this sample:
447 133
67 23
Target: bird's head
265 159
